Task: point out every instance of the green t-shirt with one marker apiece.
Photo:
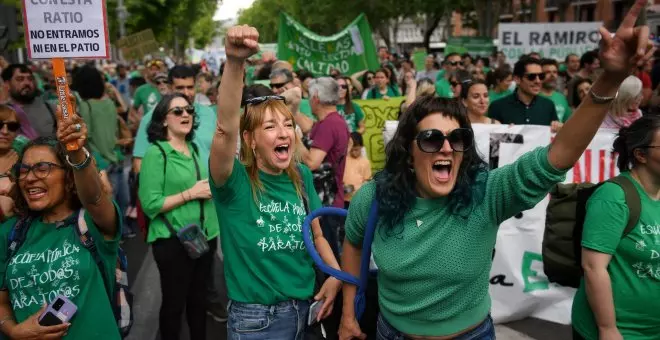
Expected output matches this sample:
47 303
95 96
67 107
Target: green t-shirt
306 109
434 266
561 105
443 88
353 119
180 175
440 75
266 261
52 261
635 266
19 143
493 96
146 95
102 124
392 91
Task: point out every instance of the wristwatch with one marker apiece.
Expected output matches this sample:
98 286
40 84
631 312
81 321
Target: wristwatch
601 100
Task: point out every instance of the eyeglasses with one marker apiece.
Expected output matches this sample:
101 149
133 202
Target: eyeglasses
454 83
155 63
161 82
178 111
652 147
433 140
11 126
455 63
277 86
533 76
259 100
41 170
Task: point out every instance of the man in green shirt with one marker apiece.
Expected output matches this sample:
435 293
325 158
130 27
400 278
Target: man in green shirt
549 89
147 95
281 79
442 86
525 106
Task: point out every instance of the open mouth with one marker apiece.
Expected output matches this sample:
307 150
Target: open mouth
442 170
35 193
282 152
185 122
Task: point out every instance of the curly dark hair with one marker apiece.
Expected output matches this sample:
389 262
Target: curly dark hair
395 184
22 207
157 131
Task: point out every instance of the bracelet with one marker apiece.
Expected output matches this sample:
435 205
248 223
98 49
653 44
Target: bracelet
85 163
601 100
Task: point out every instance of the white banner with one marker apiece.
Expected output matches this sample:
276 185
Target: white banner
550 40
518 286
66 29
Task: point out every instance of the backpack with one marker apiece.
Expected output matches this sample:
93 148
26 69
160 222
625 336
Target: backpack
121 299
562 239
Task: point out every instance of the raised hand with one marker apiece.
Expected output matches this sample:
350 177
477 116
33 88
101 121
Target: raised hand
73 129
628 48
241 42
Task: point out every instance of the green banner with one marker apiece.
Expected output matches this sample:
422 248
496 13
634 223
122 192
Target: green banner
376 112
349 51
475 46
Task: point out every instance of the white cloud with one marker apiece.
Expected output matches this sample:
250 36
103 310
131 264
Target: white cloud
229 9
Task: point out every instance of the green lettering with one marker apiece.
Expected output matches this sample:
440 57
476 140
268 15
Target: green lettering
528 272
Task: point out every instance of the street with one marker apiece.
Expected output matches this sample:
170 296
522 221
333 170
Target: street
143 277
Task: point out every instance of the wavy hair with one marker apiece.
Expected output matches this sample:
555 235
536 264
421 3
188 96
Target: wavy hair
157 131
59 150
396 183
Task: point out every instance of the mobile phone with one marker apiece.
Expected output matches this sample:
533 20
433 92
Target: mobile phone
59 311
314 311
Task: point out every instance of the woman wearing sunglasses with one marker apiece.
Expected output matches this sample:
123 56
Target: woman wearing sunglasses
11 144
262 199
175 194
440 206
351 112
53 185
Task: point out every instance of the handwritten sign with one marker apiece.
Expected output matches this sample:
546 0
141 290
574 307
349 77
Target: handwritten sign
136 46
66 29
376 113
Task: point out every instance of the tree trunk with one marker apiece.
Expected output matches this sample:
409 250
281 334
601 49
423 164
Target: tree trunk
429 28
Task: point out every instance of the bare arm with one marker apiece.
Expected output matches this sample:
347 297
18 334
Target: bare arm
322 245
312 158
355 80
293 97
241 43
599 288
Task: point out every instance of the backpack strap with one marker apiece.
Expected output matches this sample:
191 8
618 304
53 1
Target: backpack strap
633 201
87 241
305 198
162 151
17 236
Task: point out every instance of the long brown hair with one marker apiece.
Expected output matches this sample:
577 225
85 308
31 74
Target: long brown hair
250 121
348 105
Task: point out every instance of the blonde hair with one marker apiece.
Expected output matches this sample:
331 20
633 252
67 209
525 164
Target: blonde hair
629 91
425 89
252 119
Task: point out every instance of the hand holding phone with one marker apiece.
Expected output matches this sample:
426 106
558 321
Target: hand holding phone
32 329
314 311
58 312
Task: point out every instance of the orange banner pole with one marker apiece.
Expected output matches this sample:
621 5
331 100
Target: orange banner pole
65 101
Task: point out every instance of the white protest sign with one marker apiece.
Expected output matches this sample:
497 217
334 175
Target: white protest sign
518 286
66 29
550 40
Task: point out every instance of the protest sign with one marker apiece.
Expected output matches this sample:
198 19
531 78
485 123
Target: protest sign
518 286
475 46
66 29
349 51
419 58
376 113
138 45
550 40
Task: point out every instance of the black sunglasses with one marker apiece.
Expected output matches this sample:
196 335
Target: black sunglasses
179 110
161 82
453 83
41 170
431 141
259 100
533 76
277 86
455 63
11 126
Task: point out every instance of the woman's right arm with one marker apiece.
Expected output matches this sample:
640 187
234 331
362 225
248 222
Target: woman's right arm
240 43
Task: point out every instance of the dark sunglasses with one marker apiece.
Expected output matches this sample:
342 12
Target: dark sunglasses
455 63
259 100
454 83
277 86
161 82
179 110
431 141
11 126
533 76
155 63
40 170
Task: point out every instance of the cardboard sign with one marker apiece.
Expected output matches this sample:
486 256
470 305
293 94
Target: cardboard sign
138 45
66 29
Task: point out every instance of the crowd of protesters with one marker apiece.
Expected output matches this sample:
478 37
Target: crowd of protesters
235 161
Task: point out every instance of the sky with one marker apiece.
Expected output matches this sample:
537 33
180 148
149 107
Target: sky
229 9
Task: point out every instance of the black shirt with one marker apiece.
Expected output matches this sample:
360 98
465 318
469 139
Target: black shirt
510 110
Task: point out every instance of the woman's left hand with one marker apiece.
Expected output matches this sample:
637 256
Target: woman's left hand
72 130
328 293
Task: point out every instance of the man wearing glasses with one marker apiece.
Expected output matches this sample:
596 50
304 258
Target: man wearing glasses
524 106
147 95
451 63
281 80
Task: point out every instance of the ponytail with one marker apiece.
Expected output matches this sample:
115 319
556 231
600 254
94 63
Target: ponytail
638 136
621 148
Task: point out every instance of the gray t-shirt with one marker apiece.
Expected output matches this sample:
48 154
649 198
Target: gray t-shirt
41 118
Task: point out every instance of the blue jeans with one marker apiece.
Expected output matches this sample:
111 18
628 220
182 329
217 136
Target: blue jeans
119 180
283 321
485 331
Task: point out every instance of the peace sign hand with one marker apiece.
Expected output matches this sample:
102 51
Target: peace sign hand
628 48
